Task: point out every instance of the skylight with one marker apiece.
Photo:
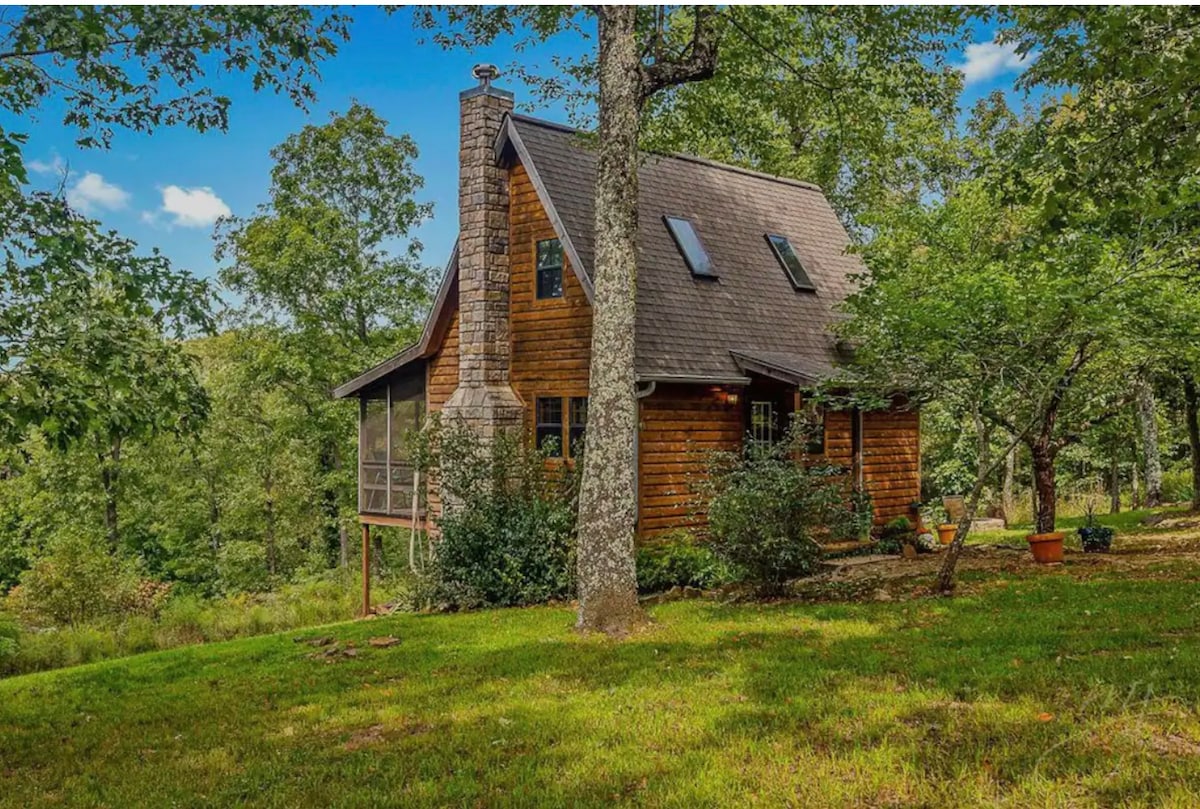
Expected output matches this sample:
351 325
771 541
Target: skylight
790 262
689 245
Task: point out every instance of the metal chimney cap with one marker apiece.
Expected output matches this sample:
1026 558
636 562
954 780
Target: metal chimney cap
485 73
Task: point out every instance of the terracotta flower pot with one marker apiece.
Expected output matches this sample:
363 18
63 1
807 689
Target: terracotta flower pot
946 532
1047 548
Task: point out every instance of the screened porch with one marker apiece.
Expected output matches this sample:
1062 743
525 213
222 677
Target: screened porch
390 416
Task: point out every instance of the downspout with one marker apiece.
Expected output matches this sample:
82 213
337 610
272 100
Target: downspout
639 394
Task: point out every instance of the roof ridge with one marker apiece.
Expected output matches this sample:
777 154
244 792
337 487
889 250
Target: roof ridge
690 158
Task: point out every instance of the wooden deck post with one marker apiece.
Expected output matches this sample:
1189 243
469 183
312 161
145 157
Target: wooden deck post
366 569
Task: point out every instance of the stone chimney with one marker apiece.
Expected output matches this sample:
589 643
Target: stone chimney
483 399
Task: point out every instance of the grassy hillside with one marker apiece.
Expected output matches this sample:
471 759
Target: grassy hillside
1067 687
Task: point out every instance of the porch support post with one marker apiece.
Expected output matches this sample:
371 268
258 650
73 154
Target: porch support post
366 569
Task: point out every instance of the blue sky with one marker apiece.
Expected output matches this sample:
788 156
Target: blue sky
166 189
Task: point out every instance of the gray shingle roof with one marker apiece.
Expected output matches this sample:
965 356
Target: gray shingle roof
688 326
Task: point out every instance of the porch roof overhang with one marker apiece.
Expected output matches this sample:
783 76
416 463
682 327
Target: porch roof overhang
791 368
426 345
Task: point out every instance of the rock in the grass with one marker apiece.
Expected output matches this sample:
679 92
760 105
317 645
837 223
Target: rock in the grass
883 595
383 642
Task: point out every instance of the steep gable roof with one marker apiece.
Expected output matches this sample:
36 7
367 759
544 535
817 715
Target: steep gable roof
748 318
688 326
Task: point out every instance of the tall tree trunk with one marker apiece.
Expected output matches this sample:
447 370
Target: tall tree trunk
1006 488
269 514
330 464
1114 481
110 479
1191 407
1135 483
607 578
343 545
1147 418
1044 484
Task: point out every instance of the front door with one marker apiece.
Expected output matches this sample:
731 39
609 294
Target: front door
768 411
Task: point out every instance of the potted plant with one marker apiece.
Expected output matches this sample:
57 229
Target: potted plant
937 516
1095 538
1047 549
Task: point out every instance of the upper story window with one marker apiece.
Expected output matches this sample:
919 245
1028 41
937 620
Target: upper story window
549 269
790 262
689 244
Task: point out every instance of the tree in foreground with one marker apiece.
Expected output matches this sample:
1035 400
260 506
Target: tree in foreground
104 69
641 52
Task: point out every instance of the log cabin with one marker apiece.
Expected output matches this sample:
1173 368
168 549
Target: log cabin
739 278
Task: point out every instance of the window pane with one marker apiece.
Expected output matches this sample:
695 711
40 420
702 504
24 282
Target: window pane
549 268
578 424
549 283
688 242
762 422
549 253
550 425
790 261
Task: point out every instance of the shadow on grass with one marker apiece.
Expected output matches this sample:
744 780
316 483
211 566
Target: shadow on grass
926 701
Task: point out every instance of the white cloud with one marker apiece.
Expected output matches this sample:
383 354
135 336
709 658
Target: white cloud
91 192
193 207
986 60
55 165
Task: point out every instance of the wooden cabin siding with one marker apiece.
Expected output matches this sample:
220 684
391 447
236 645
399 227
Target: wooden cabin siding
679 426
440 381
443 368
551 338
892 460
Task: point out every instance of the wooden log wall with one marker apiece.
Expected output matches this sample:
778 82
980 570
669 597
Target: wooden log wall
680 426
440 381
892 460
552 337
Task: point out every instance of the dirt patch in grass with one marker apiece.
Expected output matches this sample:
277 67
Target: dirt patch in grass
1157 552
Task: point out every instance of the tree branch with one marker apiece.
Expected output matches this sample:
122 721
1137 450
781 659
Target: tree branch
698 62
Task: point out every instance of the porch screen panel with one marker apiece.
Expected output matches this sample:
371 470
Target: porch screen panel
372 453
407 413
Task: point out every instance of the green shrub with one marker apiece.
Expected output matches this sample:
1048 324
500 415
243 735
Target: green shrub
77 580
10 637
767 511
507 529
242 567
1177 485
895 535
677 560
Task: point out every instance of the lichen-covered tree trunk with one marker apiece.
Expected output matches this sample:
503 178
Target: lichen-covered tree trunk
608 494
1191 406
1151 457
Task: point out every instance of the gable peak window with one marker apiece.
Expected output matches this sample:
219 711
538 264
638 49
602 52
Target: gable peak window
689 244
549 269
791 263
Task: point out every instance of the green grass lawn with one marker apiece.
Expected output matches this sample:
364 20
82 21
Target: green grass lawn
1052 688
